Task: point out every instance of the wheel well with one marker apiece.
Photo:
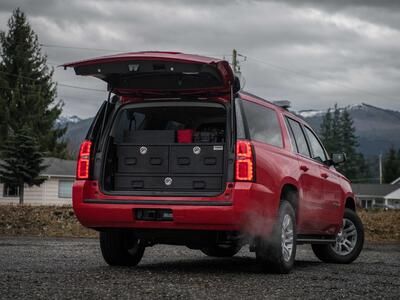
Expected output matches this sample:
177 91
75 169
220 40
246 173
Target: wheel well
290 194
350 204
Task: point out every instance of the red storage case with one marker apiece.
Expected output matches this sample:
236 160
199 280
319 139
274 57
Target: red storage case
185 136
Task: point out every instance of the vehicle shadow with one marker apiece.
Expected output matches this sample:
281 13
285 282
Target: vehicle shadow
235 265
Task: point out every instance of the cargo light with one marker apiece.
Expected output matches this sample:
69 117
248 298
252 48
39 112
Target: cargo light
244 161
82 168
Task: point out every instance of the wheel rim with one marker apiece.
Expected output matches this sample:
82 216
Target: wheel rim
346 239
287 237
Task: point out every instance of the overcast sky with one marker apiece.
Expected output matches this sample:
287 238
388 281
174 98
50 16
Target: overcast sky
313 53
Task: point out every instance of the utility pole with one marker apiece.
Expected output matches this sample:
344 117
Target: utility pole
380 168
234 61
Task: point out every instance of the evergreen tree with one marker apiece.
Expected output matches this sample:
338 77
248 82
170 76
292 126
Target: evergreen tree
391 165
326 131
22 161
27 92
338 135
349 146
336 130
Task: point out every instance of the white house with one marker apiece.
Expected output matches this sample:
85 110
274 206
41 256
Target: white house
55 190
385 196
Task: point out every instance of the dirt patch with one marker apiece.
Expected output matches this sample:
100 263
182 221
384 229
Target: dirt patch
57 221
381 225
60 221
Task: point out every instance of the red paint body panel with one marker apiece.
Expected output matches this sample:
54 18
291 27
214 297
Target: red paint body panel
222 67
248 209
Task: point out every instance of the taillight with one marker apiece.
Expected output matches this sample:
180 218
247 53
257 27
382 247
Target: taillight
82 168
244 161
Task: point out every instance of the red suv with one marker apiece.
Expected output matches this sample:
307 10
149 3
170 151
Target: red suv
179 155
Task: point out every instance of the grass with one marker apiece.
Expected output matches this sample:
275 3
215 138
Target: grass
60 221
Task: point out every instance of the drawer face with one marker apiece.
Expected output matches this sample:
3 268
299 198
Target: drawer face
196 159
199 183
142 159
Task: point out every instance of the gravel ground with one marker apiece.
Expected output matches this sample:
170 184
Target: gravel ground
60 268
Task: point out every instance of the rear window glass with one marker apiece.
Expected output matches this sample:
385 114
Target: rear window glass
159 124
263 124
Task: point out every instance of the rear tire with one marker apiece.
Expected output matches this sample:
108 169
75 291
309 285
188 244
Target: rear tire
349 241
277 252
121 248
221 251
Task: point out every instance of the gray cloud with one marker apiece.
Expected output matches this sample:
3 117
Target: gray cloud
314 53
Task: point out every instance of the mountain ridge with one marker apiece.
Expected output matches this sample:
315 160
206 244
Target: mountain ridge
377 128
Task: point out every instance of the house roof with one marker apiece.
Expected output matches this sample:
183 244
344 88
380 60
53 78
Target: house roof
373 190
57 167
396 181
394 195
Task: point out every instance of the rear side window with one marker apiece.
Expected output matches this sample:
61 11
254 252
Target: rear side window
263 124
316 147
299 137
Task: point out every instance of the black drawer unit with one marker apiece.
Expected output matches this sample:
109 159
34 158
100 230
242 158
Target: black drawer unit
125 182
196 159
142 159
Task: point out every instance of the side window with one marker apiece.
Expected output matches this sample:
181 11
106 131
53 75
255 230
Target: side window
263 124
300 138
292 138
240 133
316 147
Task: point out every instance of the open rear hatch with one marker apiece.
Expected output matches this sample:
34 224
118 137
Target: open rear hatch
165 147
159 74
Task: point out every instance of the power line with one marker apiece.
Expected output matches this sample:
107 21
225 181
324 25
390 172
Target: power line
80 87
303 74
79 48
112 50
58 83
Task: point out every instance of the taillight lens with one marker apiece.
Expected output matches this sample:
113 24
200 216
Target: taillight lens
244 161
82 168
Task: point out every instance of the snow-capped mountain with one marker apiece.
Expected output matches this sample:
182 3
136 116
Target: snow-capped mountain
65 120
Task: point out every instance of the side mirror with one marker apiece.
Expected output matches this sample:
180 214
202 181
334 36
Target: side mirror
338 158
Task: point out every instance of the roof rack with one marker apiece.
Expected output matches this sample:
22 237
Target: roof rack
285 104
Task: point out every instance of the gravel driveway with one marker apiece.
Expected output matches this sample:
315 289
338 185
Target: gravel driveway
59 268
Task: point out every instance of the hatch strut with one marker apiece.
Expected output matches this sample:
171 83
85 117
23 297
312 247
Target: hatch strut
233 131
105 112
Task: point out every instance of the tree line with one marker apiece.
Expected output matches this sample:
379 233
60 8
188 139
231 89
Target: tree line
28 107
338 134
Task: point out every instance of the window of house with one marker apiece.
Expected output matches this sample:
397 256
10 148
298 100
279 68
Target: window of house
263 124
65 188
299 137
10 190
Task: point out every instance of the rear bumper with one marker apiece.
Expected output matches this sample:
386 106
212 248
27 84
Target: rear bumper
247 207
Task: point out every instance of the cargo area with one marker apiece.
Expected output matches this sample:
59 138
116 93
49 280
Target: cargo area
167 148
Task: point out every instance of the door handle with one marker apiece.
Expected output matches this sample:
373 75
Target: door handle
324 175
304 168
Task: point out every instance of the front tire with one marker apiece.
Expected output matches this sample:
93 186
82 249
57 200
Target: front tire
121 248
277 252
349 241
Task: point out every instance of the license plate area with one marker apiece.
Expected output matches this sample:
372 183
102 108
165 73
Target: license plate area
151 214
